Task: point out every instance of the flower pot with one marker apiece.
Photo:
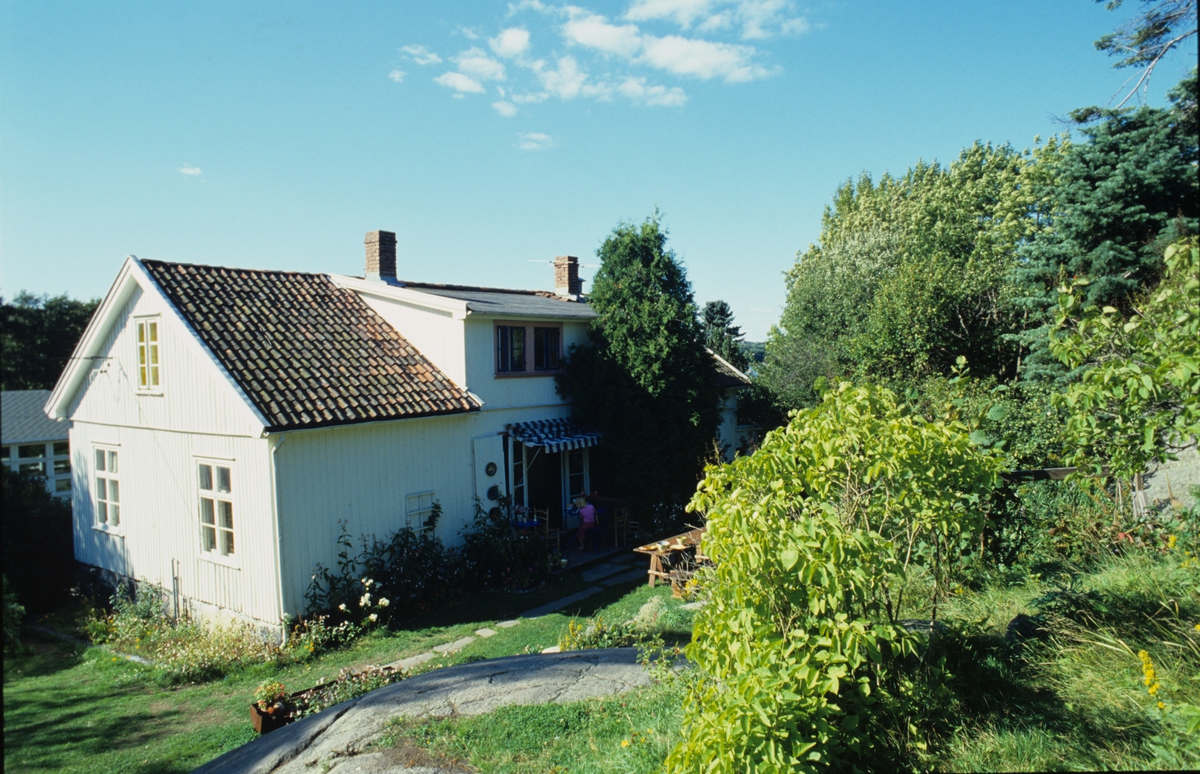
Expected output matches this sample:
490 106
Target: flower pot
265 722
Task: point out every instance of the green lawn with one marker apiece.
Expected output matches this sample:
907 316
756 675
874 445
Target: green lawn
74 709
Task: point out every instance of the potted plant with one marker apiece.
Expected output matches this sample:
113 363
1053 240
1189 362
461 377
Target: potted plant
269 710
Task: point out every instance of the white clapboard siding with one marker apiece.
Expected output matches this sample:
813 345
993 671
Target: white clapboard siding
510 391
196 397
160 516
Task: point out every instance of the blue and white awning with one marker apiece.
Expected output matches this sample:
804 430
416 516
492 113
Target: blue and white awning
554 435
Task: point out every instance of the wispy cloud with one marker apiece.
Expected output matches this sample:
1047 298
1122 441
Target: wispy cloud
702 59
758 19
191 171
397 76
637 90
459 83
421 55
475 63
511 42
534 141
594 31
506 109
682 12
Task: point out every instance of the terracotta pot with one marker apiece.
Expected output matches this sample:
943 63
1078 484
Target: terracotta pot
264 722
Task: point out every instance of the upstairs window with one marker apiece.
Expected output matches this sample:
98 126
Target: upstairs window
108 488
216 509
149 367
515 355
418 509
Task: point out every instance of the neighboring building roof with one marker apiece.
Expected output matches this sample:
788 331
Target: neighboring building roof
510 303
23 418
727 375
306 352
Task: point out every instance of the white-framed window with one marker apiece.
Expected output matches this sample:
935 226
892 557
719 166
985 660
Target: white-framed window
108 487
51 459
149 365
418 508
214 485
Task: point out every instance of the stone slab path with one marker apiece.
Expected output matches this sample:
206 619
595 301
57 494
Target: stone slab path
339 739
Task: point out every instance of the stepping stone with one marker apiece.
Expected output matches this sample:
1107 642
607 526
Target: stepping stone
413 661
693 605
600 571
485 633
507 624
451 647
625 577
553 649
559 604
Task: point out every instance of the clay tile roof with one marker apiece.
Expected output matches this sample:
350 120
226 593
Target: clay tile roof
306 352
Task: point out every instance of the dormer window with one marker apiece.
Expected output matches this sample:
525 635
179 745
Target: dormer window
515 356
149 366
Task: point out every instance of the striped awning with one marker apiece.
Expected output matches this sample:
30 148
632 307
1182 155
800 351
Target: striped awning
554 435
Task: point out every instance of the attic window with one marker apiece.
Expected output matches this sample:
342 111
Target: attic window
149 366
514 355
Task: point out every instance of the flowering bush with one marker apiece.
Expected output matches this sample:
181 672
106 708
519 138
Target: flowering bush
270 695
348 685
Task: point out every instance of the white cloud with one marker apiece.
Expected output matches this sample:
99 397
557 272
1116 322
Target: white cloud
702 58
190 171
682 12
397 76
511 42
637 90
594 31
718 21
525 99
534 141
460 83
565 82
477 64
421 55
506 109
470 33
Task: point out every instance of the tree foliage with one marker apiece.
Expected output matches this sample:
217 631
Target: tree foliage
1147 37
1139 398
37 336
910 274
646 380
39 552
813 538
1120 196
721 335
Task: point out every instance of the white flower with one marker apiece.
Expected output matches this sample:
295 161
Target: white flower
365 600
383 602
342 606
373 617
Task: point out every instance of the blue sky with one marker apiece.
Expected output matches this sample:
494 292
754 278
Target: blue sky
491 136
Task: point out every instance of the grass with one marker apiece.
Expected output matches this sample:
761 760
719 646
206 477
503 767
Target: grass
70 708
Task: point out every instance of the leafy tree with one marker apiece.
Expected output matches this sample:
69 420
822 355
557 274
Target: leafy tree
39 552
646 380
1120 197
813 538
1138 400
721 335
1146 38
37 336
910 274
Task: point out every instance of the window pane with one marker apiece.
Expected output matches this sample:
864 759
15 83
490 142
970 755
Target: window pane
142 357
114 491
5 452
154 375
206 477
226 542
36 468
153 331
112 462
62 466
101 513
502 362
206 511
62 485
101 488
31 450
142 378
225 510
223 480
552 347
114 515
210 538
62 448
517 348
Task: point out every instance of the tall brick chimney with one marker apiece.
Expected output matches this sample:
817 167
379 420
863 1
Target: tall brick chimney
381 256
566 276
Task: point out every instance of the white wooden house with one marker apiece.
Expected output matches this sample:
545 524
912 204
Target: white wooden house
30 442
224 421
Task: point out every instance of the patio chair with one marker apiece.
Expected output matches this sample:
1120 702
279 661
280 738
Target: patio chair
620 526
542 516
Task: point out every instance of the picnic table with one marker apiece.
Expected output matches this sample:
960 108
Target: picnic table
669 560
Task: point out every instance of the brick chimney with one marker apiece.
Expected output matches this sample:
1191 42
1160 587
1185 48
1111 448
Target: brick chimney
381 256
566 276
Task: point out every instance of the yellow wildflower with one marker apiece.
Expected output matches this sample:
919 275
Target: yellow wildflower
624 742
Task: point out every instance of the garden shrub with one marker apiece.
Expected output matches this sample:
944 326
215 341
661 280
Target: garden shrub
812 538
493 556
39 552
14 614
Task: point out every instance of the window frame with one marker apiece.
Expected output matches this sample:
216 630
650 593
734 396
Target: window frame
145 348
410 512
502 348
111 452
217 497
